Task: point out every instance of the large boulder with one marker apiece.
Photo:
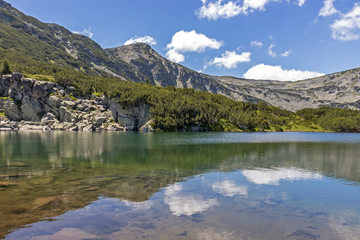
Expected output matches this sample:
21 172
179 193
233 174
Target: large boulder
99 120
12 110
26 84
147 127
31 109
65 115
16 76
38 90
5 81
68 103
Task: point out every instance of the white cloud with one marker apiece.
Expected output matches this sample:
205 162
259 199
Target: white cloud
286 53
274 176
174 56
270 50
268 72
328 9
145 39
192 42
86 32
218 9
231 59
214 10
229 189
185 205
249 5
189 42
256 44
301 3
347 28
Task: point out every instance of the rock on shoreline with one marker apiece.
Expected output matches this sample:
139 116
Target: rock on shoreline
28 104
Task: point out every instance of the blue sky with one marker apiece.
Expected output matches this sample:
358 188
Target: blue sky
272 39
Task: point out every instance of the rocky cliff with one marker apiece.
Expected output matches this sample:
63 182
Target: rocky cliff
28 104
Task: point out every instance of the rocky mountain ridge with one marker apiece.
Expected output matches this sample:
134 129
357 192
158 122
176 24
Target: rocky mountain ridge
26 41
336 90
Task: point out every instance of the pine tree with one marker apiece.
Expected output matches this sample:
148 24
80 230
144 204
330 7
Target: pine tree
6 68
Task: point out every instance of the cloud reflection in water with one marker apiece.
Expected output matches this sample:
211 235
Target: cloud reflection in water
186 205
274 176
229 188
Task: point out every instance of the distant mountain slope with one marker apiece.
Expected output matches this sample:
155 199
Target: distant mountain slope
337 90
25 41
35 47
149 65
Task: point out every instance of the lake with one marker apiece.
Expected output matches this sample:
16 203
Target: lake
64 185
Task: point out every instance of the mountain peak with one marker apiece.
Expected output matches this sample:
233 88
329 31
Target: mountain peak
4 4
140 44
134 46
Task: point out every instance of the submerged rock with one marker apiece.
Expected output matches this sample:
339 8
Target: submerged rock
41 202
7 184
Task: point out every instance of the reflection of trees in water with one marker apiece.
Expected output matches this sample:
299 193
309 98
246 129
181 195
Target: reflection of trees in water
338 160
146 152
60 171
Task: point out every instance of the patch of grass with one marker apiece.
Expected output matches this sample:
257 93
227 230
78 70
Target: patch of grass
41 77
97 94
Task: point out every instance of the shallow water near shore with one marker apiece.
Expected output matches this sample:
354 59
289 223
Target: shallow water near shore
63 185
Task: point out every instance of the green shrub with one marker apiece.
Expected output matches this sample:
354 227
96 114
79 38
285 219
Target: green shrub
6 68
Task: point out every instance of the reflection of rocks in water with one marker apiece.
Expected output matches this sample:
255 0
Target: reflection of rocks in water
17 164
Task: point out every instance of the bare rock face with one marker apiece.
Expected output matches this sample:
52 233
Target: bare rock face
131 118
44 106
31 109
65 115
150 67
11 109
147 127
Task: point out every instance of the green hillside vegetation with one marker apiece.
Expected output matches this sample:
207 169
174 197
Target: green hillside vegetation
335 119
176 109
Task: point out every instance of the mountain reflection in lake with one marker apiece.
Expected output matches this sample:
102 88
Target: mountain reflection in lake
179 186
